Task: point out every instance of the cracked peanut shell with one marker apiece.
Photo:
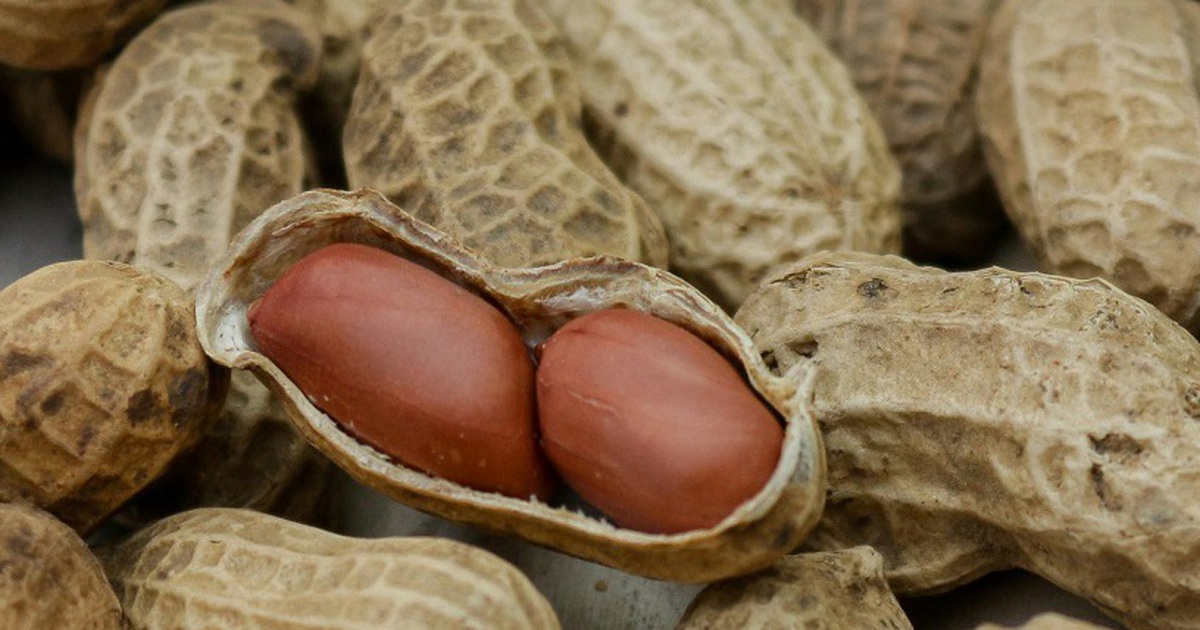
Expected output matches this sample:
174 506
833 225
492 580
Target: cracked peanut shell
739 127
48 576
832 590
467 115
251 570
1091 123
60 34
186 137
915 62
102 386
538 301
991 419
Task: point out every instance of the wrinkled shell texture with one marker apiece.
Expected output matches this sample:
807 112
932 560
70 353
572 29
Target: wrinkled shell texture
915 61
538 301
1047 621
57 34
976 421
102 384
190 134
467 115
835 590
1089 111
48 576
250 570
738 127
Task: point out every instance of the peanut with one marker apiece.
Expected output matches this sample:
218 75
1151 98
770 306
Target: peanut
48 576
823 591
738 127
650 424
409 363
915 62
241 569
59 34
1051 425
1046 621
102 385
1093 138
538 301
43 104
467 116
188 135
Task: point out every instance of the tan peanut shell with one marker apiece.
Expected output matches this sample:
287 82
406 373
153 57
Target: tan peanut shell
915 62
538 301
468 116
48 576
187 136
1089 112
102 385
240 569
1046 621
833 590
984 420
59 34
739 127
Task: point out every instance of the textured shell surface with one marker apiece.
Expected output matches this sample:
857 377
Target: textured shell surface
1046 621
739 127
1089 111
539 301
189 134
832 590
102 385
58 34
467 114
240 569
50 579
915 62
981 420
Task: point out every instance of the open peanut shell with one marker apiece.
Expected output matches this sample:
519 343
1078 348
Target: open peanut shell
539 301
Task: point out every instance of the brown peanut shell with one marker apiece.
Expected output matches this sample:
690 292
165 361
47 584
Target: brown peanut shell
983 420
242 569
468 116
538 301
188 135
1089 111
60 34
48 576
102 385
915 62
739 127
833 590
1046 621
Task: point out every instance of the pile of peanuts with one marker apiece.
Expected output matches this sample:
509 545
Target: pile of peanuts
687 289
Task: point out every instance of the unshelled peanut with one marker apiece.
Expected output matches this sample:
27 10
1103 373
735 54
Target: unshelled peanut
243 569
982 420
1046 621
58 34
1090 113
188 135
467 116
739 128
48 576
835 590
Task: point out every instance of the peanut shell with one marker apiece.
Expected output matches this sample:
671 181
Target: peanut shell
1046 621
992 419
468 117
44 104
48 576
1091 120
915 62
538 301
739 127
59 34
242 569
188 135
832 590
102 385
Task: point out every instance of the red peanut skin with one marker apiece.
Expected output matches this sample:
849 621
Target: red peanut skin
650 424
409 363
